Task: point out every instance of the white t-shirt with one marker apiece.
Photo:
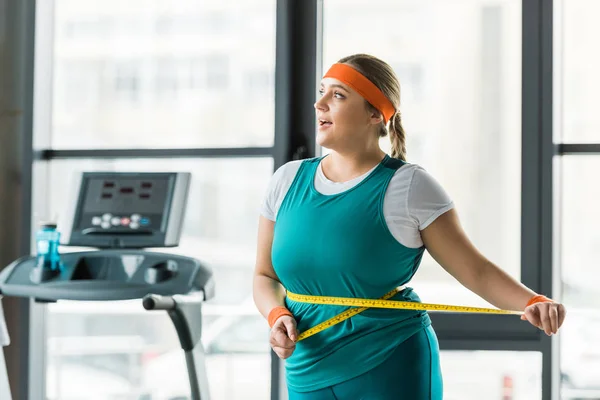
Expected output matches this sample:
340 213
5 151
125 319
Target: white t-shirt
413 200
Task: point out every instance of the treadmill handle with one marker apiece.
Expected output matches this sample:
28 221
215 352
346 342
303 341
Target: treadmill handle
171 303
186 313
158 302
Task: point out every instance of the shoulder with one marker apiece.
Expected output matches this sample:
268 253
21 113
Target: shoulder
399 188
394 163
280 183
414 175
284 176
312 160
417 190
403 170
288 169
287 172
404 174
423 181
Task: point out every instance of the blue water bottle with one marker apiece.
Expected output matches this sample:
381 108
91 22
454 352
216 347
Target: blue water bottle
47 240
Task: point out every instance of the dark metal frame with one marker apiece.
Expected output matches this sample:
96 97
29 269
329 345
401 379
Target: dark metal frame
295 83
567 149
51 154
295 80
18 35
298 46
537 169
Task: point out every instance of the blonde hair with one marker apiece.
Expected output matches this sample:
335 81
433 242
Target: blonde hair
383 76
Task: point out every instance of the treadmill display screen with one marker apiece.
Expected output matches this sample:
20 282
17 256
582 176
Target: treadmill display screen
124 204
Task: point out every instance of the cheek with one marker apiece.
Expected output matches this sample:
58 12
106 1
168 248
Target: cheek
350 117
345 113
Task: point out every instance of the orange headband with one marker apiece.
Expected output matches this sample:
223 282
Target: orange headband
364 87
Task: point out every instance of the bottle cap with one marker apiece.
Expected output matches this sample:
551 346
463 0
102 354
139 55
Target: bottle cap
49 225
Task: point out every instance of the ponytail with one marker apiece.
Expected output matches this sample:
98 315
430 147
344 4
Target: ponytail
397 137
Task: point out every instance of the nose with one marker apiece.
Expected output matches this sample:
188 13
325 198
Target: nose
321 104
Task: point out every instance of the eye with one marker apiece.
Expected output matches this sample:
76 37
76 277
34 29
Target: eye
336 94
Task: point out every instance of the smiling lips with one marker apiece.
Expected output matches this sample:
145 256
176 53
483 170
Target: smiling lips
324 122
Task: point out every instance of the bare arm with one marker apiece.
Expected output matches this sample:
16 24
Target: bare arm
267 291
448 244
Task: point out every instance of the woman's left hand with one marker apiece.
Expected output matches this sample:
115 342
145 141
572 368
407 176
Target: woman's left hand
546 315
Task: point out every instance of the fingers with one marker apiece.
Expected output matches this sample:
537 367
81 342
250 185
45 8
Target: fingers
562 312
281 337
290 327
532 315
283 353
546 316
553 313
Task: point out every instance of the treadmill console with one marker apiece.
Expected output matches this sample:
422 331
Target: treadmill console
126 210
119 213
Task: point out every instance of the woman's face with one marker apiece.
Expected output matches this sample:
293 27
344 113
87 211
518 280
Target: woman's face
344 121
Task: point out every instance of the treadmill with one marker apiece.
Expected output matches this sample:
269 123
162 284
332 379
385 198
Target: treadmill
121 215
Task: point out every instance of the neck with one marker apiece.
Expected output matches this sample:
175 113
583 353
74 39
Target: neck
344 166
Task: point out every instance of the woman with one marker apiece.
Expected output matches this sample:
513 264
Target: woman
356 223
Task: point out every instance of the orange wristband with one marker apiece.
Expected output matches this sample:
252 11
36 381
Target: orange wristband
539 298
277 312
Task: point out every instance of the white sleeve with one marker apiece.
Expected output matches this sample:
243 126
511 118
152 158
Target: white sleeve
280 183
427 199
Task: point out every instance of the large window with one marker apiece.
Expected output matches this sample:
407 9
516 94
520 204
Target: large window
461 107
159 78
577 123
140 74
576 55
126 351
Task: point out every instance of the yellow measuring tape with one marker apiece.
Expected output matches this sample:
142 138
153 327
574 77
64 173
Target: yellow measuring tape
383 302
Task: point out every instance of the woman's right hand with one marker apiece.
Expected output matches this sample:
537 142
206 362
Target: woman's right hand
283 336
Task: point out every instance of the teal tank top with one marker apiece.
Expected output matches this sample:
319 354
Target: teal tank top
340 245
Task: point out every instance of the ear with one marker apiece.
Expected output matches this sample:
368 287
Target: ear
376 118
